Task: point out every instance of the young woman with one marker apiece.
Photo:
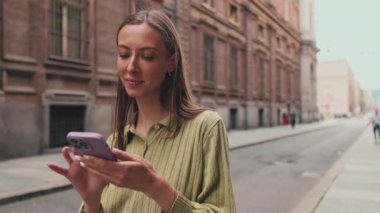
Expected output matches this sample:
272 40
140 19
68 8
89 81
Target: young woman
172 154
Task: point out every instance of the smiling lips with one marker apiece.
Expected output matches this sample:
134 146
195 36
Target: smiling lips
133 82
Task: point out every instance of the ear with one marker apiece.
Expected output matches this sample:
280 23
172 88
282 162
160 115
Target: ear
173 61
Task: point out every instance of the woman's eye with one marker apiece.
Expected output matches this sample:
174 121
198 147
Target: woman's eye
123 55
148 57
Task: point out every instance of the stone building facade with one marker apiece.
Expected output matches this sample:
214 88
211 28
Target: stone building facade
57 71
338 91
252 76
57 64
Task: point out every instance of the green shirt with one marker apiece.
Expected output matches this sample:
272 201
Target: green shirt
195 162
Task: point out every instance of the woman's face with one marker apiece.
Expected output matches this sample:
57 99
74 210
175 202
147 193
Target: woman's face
143 61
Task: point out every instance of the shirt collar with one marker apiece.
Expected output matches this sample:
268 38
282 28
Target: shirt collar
164 122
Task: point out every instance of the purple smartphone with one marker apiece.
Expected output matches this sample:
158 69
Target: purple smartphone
90 143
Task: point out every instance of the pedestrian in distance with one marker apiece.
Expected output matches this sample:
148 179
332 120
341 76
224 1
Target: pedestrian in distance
375 121
285 118
172 154
293 116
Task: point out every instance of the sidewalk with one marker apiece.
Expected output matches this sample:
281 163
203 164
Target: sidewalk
25 177
357 188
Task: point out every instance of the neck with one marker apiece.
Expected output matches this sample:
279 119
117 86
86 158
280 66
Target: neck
150 112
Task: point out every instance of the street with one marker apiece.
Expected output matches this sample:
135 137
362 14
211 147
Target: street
273 177
268 178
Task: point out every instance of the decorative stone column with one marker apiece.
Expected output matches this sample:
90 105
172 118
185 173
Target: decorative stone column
308 62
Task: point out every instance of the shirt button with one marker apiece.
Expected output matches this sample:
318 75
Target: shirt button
157 127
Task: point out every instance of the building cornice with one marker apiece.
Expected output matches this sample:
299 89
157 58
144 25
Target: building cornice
273 15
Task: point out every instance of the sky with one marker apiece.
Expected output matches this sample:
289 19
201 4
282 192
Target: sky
350 30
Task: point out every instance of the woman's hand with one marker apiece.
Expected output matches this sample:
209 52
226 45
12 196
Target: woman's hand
133 172
89 186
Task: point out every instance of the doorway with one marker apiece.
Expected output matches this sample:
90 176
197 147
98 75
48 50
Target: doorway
64 119
261 117
233 118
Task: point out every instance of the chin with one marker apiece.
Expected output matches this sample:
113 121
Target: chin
133 94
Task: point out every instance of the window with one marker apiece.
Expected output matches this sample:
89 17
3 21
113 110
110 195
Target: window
209 2
278 41
279 81
261 31
293 49
284 83
194 53
208 59
312 74
68 29
140 5
234 68
287 84
262 78
233 16
284 43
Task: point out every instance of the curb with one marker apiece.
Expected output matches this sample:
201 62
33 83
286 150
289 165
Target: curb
34 193
281 137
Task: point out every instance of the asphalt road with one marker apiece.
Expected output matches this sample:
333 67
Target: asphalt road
268 178
273 177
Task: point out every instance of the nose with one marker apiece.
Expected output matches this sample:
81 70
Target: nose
132 65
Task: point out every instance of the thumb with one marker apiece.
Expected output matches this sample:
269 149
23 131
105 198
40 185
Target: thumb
122 155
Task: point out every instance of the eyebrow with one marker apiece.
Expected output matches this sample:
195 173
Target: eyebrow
143 48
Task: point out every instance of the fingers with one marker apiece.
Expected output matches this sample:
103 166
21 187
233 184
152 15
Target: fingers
58 169
101 165
123 176
105 167
66 155
126 156
123 156
107 177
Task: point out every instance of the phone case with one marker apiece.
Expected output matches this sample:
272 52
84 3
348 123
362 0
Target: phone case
90 143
